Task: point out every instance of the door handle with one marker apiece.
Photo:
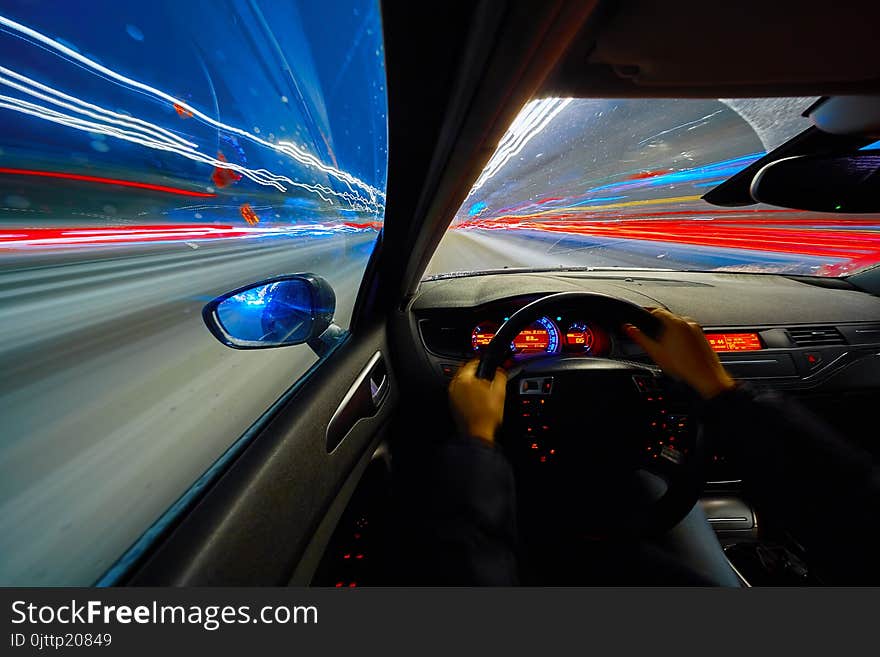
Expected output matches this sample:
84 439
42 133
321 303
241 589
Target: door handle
378 383
363 400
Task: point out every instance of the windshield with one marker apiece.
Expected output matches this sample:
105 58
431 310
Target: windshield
617 183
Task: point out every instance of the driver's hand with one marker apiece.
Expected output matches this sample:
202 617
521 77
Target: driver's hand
683 353
477 404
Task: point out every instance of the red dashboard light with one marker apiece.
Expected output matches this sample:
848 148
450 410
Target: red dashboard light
532 339
482 339
734 341
579 336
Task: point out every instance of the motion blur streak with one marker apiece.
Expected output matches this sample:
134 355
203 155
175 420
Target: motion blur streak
287 148
104 181
536 116
855 241
89 109
715 171
35 237
260 176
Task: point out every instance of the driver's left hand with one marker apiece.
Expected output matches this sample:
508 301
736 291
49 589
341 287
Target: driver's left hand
478 405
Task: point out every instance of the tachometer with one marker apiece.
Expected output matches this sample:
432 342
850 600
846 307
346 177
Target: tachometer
482 335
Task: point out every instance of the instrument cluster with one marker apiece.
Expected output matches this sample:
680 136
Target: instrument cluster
548 335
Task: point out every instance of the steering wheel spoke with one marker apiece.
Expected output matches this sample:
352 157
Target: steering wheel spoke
665 462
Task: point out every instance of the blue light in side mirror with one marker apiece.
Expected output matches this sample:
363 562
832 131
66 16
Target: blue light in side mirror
285 310
275 313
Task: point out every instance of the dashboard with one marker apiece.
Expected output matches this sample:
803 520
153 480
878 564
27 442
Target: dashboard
561 334
572 335
768 329
817 339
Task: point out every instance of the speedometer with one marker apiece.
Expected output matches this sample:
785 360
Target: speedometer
541 336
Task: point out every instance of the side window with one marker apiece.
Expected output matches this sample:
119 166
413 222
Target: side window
152 156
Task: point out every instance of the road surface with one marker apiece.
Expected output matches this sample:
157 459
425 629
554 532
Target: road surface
114 397
474 250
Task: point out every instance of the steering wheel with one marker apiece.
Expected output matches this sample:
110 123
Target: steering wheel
634 427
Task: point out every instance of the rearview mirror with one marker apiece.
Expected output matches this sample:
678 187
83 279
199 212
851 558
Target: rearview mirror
839 183
277 312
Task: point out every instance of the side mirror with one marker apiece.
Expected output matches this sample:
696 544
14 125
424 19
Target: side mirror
277 312
822 183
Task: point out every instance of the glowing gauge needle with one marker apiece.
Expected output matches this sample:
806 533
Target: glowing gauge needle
579 336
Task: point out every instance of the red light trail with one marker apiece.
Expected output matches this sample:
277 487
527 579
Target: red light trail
28 238
105 181
14 237
854 240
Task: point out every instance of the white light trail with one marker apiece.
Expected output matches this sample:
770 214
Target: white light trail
288 148
533 118
148 134
259 176
88 109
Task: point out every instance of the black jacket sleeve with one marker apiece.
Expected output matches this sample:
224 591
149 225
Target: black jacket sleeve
459 509
822 486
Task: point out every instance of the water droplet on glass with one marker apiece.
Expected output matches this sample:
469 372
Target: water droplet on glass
18 202
134 32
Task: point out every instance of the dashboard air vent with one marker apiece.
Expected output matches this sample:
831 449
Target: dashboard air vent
816 336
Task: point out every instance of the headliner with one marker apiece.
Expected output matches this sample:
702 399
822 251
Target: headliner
746 48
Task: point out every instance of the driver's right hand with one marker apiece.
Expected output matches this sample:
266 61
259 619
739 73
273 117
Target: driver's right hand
683 353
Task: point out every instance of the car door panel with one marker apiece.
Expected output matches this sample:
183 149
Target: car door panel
352 545
254 524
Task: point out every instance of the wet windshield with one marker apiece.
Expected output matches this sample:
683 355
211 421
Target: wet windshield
617 183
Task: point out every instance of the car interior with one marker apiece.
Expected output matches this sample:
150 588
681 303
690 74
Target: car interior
609 454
